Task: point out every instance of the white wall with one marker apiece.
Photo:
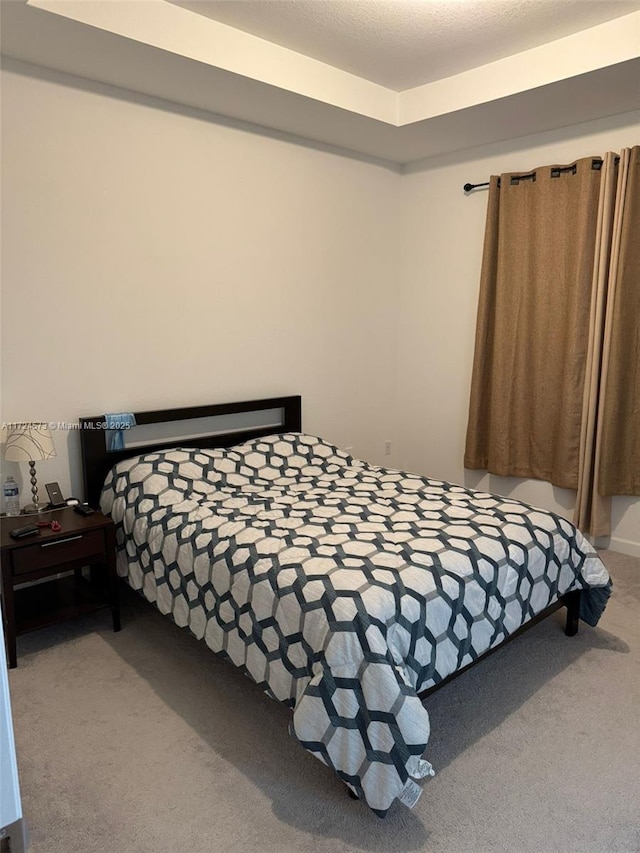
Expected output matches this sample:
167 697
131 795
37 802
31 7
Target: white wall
153 258
442 234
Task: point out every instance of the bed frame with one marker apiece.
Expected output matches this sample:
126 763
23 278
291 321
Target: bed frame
97 461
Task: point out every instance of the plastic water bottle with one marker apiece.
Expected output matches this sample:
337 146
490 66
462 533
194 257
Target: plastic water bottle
11 492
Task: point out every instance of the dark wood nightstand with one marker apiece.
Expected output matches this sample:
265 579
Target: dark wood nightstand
82 541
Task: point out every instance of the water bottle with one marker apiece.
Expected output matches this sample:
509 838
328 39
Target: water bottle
11 492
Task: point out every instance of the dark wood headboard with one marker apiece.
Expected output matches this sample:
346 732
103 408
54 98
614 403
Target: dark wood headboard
97 461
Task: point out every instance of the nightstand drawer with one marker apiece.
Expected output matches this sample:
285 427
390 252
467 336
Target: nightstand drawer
56 552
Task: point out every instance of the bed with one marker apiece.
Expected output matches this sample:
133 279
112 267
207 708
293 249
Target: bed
346 591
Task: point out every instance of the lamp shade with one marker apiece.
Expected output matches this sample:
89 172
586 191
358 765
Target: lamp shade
29 443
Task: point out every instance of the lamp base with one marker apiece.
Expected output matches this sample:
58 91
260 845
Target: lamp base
32 509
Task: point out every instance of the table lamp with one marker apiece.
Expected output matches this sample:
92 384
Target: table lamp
28 443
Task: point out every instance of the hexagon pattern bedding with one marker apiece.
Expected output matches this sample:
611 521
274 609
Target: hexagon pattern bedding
341 588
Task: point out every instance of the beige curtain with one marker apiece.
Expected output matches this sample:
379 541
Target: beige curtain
591 507
528 380
610 440
556 379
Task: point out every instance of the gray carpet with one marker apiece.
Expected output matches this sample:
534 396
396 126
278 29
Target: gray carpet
145 742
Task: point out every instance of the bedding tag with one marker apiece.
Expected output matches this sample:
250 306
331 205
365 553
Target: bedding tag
410 794
423 769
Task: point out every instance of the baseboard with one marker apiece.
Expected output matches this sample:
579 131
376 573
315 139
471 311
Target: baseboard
622 546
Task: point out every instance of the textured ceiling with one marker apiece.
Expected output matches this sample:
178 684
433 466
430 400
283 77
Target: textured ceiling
405 43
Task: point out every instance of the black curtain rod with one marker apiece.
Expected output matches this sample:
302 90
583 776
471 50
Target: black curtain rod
468 187
596 164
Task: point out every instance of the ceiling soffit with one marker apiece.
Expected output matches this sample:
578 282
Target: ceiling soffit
164 50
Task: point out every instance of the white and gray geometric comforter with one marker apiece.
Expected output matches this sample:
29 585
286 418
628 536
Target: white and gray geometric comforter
341 588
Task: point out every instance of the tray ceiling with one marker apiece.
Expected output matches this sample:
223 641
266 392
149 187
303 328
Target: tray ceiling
497 71
405 43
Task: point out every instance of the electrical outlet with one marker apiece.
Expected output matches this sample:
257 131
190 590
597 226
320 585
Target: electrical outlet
387 448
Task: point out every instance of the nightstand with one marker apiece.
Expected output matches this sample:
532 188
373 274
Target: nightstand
82 541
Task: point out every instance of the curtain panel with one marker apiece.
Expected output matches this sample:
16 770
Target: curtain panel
555 391
534 306
619 462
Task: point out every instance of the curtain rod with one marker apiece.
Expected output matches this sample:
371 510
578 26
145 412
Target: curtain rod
468 187
596 164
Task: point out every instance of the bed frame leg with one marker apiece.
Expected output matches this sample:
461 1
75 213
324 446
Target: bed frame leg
572 603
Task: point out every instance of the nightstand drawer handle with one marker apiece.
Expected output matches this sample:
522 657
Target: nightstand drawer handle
60 541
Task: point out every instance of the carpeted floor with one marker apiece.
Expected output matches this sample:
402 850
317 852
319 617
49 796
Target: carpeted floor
145 742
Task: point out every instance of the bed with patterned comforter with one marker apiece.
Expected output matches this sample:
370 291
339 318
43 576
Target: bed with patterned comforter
341 588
